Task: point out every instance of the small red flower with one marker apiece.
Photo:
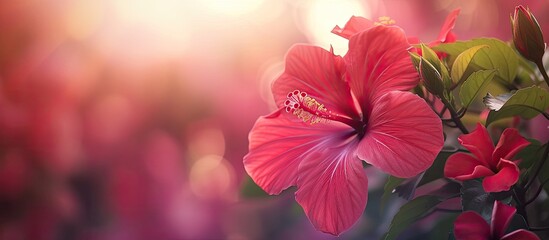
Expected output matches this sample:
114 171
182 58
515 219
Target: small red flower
359 24
494 164
471 226
333 114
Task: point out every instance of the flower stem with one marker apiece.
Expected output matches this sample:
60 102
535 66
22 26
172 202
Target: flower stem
519 193
543 72
454 115
521 207
537 192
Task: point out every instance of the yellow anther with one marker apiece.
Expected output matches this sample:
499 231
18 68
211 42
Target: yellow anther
306 108
385 21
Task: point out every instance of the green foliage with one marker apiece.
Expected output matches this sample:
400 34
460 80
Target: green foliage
415 59
436 171
444 227
473 197
526 75
390 185
544 175
529 156
432 57
431 77
410 212
526 102
498 55
462 62
473 85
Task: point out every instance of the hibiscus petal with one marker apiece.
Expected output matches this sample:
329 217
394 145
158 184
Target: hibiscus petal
471 226
510 143
521 234
507 176
353 26
501 217
319 73
378 62
462 166
447 27
403 135
332 188
278 144
480 144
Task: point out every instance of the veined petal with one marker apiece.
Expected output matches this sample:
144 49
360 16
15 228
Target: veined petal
479 143
521 234
332 187
449 24
403 135
507 176
510 143
353 26
278 144
378 62
501 217
462 166
319 73
471 226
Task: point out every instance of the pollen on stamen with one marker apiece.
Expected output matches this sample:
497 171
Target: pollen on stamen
385 20
306 108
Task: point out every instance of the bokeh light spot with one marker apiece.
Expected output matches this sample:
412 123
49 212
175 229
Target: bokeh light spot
232 7
321 16
212 177
206 141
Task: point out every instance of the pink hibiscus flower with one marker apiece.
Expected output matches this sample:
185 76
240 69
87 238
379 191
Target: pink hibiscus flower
494 164
336 111
471 226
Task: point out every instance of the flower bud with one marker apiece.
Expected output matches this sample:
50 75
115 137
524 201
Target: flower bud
431 77
527 35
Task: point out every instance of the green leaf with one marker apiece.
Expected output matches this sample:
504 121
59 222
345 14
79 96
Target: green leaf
390 185
411 212
473 85
497 56
473 197
436 171
250 190
526 102
544 175
407 189
526 75
432 57
462 62
443 227
529 155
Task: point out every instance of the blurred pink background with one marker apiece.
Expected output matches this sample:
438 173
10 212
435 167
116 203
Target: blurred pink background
128 119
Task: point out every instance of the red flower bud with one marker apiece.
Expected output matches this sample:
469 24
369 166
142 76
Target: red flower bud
527 35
